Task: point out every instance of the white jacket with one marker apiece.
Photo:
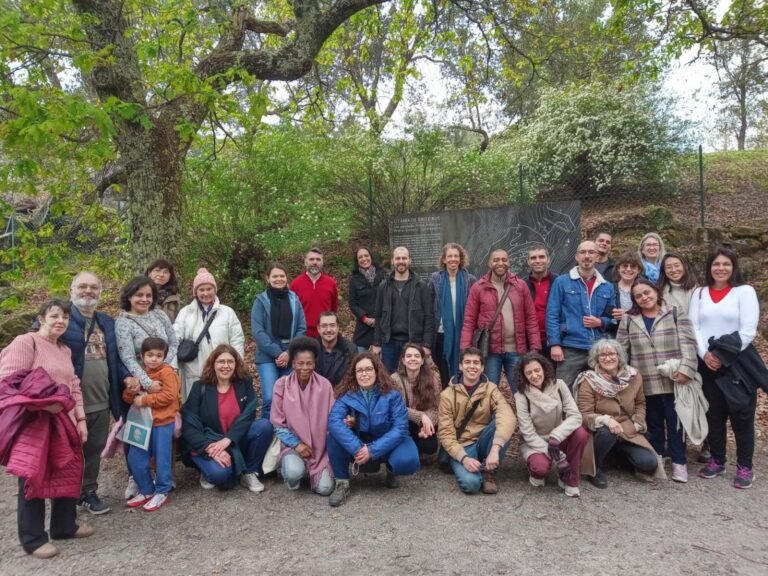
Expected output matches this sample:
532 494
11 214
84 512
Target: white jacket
225 329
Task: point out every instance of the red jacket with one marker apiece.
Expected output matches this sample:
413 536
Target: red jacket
481 304
315 298
41 447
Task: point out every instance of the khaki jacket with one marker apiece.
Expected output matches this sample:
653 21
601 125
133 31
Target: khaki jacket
454 404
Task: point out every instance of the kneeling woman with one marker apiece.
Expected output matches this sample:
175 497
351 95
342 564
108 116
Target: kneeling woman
221 437
421 389
368 423
612 403
300 407
550 423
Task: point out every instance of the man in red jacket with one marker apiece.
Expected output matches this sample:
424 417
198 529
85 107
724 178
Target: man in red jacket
516 330
316 290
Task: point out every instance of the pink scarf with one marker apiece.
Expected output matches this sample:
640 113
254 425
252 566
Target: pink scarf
305 413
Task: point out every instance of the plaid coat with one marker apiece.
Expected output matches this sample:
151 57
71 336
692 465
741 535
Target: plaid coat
668 339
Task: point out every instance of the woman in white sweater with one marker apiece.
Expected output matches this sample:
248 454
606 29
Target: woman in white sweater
724 306
225 328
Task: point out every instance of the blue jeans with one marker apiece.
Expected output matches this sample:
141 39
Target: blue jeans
160 448
662 422
402 461
254 447
268 375
495 362
471 482
390 354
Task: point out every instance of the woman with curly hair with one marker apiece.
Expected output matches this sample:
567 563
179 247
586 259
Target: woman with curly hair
161 272
421 388
368 425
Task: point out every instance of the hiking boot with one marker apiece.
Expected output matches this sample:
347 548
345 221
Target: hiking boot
45 551
712 470
570 491
156 502
679 472
138 500
132 489
91 502
537 482
489 483
743 478
598 480
339 494
204 484
250 480
391 481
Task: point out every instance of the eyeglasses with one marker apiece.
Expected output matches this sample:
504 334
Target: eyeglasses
608 355
365 370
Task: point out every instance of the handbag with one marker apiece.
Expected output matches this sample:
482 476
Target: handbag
188 349
138 427
272 457
481 337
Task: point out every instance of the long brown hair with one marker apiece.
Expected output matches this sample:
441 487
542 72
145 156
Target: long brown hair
208 375
349 381
423 392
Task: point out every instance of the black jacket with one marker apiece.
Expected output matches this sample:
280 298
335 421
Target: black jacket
343 353
362 302
421 317
743 371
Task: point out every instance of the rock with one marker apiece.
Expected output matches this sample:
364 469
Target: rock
746 232
12 325
746 246
659 217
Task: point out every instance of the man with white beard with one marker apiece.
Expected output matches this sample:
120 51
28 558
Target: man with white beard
91 339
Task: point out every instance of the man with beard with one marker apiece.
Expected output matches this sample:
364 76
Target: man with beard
579 310
540 283
515 330
90 336
404 311
316 290
336 352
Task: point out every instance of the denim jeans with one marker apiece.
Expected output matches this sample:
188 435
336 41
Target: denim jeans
293 470
471 482
268 375
390 354
254 447
402 461
494 364
663 429
160 448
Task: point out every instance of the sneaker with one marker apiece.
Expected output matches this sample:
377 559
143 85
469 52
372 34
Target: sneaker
537 482
712 470
679 472
743 478
138 500
156 502
391 481
91 502
250 480
570 491
204 484
598 480
490 486
132 489
45 551
339 494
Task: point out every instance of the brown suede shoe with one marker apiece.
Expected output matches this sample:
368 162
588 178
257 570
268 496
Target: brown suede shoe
45 551
84 531
489 483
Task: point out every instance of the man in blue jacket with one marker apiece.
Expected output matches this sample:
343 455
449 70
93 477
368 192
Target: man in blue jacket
578 312
91 339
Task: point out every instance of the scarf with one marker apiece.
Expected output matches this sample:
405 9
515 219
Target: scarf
305 413
205 310
281 315
162 294
609 386
451 327
369 274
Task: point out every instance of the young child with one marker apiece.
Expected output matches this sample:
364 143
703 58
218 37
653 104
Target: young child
164 404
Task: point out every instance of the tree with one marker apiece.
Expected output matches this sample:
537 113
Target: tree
141 78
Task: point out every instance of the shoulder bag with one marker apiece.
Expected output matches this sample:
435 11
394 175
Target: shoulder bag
481 337
188 349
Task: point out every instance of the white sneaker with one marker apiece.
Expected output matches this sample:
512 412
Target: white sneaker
156 502
250 480
570 491
204 484
679 472
132 489
537 482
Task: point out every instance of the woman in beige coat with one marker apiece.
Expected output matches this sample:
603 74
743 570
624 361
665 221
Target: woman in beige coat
612 403
550 424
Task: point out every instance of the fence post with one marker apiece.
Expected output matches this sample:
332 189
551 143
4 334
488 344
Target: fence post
522 194
701 184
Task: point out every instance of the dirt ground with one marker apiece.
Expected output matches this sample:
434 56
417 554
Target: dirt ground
425 527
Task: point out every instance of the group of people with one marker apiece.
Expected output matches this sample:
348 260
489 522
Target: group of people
619 361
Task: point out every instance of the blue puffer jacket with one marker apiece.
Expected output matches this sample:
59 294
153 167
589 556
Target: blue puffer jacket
386 421
567 305
267 347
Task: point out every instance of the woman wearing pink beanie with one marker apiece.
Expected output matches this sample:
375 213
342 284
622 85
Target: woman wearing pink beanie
224 327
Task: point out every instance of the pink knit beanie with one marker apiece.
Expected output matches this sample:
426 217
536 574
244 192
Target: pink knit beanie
203 277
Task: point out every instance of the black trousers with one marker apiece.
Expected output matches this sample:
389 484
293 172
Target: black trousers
640 458
31 520
425 445
439 358
742 423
